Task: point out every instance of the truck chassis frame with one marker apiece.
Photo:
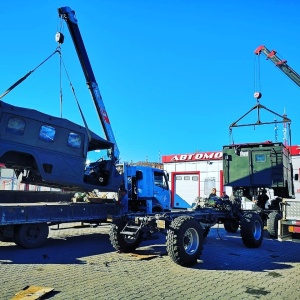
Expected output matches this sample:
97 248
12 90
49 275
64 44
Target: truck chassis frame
185 230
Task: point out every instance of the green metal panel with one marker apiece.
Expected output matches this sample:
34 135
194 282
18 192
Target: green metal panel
255 165
236 168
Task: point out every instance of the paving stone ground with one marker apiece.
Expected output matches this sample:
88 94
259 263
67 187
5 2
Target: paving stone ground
80 263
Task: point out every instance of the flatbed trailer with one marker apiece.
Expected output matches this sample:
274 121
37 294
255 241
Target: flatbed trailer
26 221
185 230
53 213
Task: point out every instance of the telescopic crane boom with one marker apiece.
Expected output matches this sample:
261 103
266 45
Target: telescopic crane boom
281 64
67 14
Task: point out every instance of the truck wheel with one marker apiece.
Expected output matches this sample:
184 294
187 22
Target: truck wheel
272 223
252 230
122 242
231 226
185 240
31 235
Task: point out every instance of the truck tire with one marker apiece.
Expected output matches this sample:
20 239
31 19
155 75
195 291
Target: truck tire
272 223
231 226
185 240
121 242
31 235
252 230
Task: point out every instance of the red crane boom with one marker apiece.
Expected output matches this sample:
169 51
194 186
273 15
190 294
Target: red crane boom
281 64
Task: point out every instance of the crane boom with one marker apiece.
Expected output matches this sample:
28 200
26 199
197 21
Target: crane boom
67 14
281 64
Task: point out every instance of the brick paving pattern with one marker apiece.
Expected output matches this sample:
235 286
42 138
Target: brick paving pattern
80 263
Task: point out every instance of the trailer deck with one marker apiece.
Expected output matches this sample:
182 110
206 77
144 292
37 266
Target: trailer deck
54 212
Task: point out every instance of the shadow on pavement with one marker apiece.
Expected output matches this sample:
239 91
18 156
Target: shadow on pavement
67 250
226 251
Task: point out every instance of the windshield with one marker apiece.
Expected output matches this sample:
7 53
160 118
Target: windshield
161 180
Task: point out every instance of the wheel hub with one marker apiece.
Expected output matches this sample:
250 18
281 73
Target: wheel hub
32 232
191 241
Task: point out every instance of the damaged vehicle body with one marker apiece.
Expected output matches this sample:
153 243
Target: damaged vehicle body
50 151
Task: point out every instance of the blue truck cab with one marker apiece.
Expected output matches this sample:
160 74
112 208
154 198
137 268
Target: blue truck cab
146 187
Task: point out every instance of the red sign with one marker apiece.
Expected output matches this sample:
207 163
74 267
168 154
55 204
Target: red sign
193 157
294 150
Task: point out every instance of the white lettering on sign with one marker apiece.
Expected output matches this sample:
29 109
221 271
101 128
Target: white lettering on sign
174 158
196 156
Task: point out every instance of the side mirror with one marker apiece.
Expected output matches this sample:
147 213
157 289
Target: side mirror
139 175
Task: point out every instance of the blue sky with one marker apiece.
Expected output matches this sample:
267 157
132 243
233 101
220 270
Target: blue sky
174 74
